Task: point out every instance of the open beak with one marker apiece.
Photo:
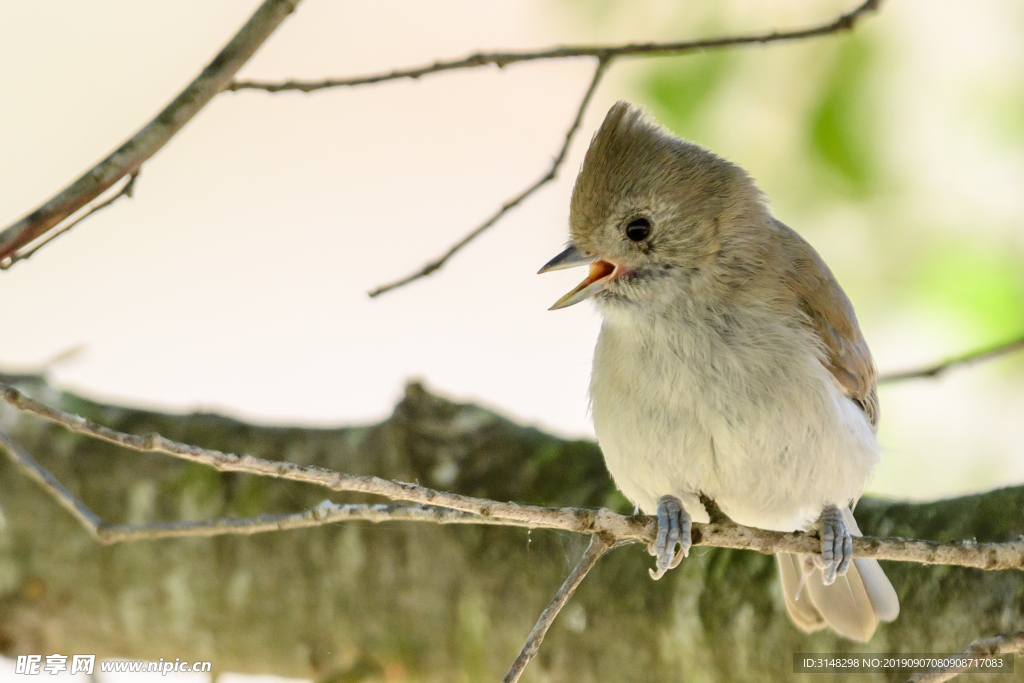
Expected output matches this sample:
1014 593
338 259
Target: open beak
601 273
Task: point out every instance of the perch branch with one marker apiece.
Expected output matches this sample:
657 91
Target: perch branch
599 545
966 359
326 512
990 556
984 648
552 173
843 22
127 158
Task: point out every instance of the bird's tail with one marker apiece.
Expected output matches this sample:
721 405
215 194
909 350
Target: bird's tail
852 606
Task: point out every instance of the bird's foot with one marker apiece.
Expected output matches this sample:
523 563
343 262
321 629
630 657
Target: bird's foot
674 526
836 545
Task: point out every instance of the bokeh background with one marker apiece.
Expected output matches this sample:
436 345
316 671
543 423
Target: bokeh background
235 281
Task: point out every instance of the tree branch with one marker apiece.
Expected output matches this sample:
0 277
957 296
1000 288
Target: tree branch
217 76
127 158
552 173
31 248
989 556
326 512
604 55
966 359
843 22
984 648
599 545
28 465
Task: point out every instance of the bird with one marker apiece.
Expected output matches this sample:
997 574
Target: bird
729 365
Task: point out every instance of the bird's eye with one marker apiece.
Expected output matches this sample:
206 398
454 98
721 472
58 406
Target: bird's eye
638 229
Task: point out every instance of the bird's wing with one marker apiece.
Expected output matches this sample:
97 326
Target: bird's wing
830 314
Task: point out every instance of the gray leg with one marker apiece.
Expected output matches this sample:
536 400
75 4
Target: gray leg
836 545
674 527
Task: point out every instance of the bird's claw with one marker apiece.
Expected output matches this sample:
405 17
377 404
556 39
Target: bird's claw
836 545
674 527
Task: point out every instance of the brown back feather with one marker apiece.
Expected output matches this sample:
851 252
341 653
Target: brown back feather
830 314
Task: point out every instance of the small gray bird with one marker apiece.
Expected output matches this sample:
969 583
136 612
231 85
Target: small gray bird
729 364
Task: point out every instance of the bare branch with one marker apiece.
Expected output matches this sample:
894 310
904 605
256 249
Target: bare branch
326 512
966 359
604 55
715 514
127 158
552 173
984 649
27 464
599 545
126 191
641 528
844 22
570 519
217 76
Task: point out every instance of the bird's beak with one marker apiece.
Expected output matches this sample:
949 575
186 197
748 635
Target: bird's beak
601 272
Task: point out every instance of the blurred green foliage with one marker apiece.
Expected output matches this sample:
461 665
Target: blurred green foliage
980 284
897 150
677 89
843 119
841 127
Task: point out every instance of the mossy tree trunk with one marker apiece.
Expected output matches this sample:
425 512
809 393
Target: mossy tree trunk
358 602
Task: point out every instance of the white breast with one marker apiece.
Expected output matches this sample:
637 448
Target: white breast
739 407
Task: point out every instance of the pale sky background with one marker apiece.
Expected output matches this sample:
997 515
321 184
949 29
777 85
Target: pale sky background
235 281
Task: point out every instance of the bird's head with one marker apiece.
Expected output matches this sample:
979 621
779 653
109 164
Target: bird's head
649 211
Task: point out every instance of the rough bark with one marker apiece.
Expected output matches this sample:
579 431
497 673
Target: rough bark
359 602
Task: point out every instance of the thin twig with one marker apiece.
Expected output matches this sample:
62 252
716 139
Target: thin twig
127 158
715 514
552 173
218 75
604 55
641 528
27 464
23 255
326 512
966 359
599 545
844 22
985 648
570 519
